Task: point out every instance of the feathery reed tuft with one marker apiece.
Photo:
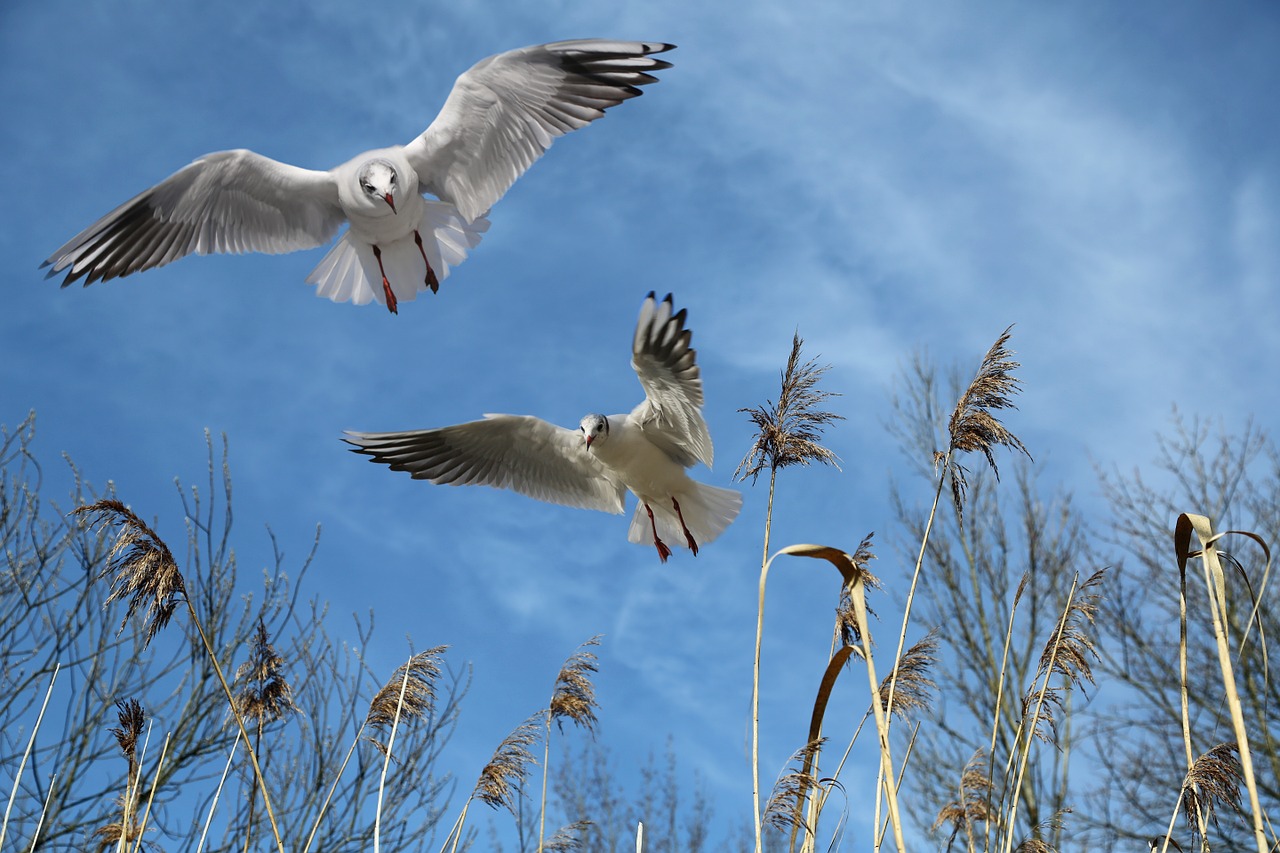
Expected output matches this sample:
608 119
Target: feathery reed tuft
574 698
132 718
972 427
1214 778
1040 710
973 806
1069 649
419 693
1052 826
846 618
567 838
785 809
145 572
507 771
913 685
790 433
265 695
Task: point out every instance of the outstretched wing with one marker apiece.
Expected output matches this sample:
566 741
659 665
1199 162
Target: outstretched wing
228 201
505 111
517 452
671 414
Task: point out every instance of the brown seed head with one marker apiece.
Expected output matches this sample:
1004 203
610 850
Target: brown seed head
132 718
790 433
567 837
1051 827
973 426
1214 778
846 616
144 570
785 808
973 804
1040 716
414 679
911 692
264 694
507 771
574 698
1069 649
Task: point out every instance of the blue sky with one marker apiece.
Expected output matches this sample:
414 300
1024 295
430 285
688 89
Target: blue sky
883 176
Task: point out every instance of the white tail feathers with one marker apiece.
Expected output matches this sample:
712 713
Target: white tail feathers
349 272
707 511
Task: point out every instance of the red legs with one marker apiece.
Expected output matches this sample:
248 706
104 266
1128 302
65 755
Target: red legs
688 537
431 280
386 285
663 550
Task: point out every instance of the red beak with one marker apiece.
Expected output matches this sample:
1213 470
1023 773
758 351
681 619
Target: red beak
589 438
391 202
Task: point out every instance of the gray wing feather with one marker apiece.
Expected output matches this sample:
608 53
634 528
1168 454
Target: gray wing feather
506 110
516 452
225 202
667 366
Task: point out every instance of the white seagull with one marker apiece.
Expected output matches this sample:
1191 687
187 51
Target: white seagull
593 467
502 114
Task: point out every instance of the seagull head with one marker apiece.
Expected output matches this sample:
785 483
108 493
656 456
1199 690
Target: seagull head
594 428
379 181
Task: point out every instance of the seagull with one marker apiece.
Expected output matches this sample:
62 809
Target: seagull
502 114
645 452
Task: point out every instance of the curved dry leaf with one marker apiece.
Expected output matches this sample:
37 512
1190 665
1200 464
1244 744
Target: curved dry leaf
842 561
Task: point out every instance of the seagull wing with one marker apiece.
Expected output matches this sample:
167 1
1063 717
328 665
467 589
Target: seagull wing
505 111
517 452
228 201
671 414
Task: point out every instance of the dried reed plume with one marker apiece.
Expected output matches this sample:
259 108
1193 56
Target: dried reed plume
567 838
1037 844
145 573
1066 653
972 426
508 770
913 684
790 433
574 698
132 718
973 806
416 680
265 695
1069 650
1214 778
846 619
785 808
1041 707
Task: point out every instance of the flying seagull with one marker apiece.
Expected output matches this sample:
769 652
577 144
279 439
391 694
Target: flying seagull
645 452
501 116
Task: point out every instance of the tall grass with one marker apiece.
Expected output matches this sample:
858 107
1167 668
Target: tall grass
987 810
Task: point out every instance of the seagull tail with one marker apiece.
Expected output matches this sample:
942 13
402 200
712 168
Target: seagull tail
350 272
707 511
